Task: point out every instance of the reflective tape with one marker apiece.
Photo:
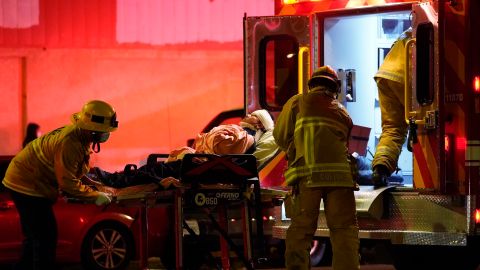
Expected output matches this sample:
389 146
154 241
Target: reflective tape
472 153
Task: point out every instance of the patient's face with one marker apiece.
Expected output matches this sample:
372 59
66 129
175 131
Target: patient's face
253 120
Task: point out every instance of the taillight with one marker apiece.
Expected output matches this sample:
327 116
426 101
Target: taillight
477 216
476 84
450 149
461 143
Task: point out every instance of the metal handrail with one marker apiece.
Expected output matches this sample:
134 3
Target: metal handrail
409 115
300 67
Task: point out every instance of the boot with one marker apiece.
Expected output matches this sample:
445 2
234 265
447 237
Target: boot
380 176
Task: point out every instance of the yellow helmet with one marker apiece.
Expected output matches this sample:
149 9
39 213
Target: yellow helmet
96 115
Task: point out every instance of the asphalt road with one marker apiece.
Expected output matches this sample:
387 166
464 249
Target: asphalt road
363 267
153 265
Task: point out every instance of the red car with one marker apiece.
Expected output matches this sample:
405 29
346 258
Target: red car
100 237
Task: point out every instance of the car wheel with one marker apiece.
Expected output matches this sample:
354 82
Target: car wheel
107 246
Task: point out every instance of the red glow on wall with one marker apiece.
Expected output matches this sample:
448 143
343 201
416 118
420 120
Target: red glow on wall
27 13
166 75
125 23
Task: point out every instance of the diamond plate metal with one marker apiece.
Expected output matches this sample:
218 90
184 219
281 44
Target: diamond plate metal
409 218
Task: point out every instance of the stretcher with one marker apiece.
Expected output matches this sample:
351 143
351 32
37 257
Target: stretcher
210 185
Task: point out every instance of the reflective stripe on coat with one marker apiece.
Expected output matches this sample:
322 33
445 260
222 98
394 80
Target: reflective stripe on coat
313 129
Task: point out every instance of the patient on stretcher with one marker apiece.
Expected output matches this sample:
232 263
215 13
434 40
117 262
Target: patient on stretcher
132 175
221 140
253 135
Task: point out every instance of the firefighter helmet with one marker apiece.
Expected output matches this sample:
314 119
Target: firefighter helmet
96 115
325 75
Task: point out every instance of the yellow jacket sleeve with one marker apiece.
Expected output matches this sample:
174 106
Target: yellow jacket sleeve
71 164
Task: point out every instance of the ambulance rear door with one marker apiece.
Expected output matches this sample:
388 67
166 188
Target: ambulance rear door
276 67
423 92
276 51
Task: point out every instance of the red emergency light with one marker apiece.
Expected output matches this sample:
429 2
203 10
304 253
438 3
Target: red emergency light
461 143
476 84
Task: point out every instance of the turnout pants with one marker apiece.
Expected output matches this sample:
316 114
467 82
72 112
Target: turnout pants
394 128
39 229
341 218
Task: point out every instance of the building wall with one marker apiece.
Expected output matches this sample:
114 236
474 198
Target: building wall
168 67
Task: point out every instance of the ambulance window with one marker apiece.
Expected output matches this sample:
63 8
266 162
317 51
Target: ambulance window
425 72
278 71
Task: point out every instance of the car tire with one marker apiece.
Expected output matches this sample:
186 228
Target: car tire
107 246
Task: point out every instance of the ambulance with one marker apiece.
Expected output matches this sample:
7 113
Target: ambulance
430 214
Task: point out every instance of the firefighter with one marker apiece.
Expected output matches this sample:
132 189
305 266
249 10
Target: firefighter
313 129
55 161
390 84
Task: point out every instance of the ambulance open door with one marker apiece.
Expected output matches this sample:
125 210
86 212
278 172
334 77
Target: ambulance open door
277 62
422 98
276 67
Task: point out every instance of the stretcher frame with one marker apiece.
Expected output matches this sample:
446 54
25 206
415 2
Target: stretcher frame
206 173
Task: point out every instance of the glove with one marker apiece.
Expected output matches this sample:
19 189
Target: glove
103 198
380 176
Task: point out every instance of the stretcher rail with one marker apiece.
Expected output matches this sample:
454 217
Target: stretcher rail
209 184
